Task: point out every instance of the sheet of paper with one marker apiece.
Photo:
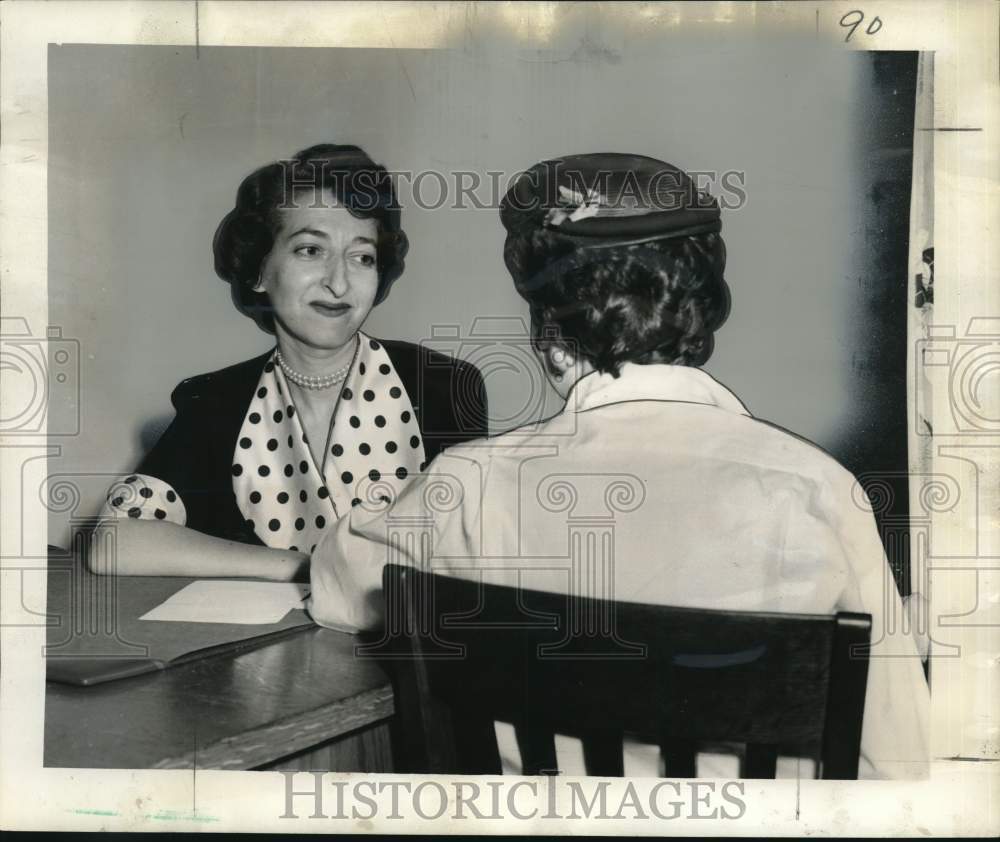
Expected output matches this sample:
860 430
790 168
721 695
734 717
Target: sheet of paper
231 601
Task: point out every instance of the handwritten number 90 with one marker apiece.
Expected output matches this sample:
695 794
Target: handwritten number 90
852 20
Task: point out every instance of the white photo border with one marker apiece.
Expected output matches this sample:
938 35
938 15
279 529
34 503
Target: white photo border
957 799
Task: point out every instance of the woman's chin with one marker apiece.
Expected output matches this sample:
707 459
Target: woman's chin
322 338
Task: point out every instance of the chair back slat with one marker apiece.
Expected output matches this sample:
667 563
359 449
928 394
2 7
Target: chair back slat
679 758
538 750
674 676
475 743
849 679
602 754
761 761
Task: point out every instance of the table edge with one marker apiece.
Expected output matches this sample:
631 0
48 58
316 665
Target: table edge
271 742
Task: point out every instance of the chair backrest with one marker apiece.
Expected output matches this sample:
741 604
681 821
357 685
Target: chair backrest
466 653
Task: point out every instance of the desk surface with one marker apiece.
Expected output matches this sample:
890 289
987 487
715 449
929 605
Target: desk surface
235 711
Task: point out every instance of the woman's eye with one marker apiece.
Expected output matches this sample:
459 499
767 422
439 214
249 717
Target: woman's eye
365 259
308 251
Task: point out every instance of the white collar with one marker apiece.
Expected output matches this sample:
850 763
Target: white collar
653 382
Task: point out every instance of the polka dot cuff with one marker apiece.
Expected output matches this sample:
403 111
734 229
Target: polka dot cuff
142 497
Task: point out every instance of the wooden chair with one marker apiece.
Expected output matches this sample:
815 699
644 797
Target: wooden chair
464 654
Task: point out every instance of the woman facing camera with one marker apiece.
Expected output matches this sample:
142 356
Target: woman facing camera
621 262
264 455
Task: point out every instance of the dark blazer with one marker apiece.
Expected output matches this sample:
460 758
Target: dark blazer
195 453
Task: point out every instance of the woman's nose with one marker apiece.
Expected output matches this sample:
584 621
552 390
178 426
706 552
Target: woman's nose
336 278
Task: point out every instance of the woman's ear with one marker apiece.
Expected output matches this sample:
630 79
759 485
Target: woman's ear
558 360
259 286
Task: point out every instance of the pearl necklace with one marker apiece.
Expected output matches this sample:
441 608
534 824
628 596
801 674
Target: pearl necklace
308 381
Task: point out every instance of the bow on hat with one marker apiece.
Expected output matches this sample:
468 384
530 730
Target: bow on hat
583 206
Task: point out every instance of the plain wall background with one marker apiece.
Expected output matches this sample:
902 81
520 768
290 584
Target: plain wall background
148 145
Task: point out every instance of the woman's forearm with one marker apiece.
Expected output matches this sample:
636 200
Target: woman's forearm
148 548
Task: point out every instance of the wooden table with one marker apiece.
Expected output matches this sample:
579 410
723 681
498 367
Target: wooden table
302 702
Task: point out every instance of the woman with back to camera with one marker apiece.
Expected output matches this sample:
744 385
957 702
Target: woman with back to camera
624 281
264 455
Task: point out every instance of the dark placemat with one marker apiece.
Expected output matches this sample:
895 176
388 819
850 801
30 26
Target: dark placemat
94 634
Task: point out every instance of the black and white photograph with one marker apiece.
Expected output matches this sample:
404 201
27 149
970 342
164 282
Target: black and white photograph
433 414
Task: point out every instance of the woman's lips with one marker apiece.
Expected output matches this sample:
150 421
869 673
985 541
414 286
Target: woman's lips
332 311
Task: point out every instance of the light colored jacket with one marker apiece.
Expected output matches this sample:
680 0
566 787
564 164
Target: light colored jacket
657 487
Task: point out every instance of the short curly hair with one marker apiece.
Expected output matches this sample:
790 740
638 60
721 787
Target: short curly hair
246 234
658 301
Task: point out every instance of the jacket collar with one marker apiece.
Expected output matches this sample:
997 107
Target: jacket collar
653 382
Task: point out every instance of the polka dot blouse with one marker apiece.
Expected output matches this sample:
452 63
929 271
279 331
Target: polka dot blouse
286 498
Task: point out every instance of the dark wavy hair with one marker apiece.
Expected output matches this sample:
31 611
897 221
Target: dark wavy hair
246 234
658 301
